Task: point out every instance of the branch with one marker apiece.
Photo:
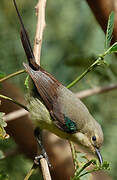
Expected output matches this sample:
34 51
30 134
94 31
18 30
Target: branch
13 101
40 12
97 90
12 75
73 151
82 94
15 115
30 172
99 61
45 169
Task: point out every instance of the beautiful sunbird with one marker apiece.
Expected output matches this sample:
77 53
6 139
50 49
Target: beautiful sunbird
68 117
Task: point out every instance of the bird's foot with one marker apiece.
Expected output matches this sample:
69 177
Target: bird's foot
41 156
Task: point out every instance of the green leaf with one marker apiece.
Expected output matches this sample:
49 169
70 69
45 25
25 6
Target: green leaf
2 74
112 49
82 171
3 134
109 31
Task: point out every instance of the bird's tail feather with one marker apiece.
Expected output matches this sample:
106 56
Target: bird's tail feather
26 42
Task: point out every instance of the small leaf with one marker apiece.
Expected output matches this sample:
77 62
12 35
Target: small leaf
3 134
109 31
113 48
2 74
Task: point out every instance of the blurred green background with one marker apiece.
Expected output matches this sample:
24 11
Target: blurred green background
72 40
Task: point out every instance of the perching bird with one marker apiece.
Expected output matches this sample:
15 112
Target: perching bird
70 117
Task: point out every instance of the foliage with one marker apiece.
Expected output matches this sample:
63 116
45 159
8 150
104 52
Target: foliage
83 164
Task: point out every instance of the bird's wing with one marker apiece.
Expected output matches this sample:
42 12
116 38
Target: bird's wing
62 121
47 86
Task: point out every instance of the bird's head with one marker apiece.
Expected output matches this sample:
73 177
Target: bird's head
96 143
93 138
96 139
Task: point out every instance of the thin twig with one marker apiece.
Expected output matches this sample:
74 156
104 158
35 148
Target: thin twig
14 101
15 115
90 68
73 154
12 75
45 169
30 172
82 169
40 12
97 90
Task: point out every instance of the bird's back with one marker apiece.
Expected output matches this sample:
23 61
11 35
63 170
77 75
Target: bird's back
68 112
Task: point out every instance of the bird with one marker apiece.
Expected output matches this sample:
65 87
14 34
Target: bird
63 113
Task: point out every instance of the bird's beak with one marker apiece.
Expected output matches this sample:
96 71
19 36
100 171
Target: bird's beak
99 155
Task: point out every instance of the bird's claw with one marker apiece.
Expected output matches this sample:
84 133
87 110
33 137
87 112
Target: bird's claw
41 156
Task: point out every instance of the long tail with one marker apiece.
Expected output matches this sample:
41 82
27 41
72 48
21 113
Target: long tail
26 42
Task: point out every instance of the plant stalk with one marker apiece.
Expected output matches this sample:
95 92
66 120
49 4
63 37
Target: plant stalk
12 75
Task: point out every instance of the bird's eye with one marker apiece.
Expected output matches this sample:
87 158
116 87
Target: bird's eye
94 138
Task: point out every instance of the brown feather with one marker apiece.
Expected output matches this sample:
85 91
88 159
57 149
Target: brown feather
47 87
26 42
